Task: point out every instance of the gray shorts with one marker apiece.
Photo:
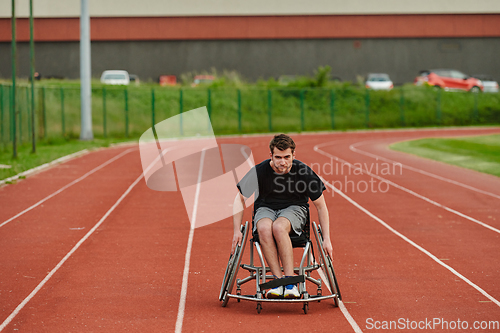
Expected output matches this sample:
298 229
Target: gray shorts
297 216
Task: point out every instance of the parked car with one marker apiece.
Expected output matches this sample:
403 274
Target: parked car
117 77
379 81
202 79
167 80
284 80
489 84
134 78
449 79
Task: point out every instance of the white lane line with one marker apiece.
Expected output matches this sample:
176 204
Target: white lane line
68 185
406 239
349 318
354 148
67 256
316 148
185 275
342 307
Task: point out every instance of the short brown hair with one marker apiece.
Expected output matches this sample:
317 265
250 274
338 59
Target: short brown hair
282 142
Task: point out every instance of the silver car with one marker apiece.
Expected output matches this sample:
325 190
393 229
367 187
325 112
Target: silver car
117 77
379 81
489 84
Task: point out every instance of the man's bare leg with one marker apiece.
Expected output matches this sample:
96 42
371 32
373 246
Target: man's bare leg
281 233
267 241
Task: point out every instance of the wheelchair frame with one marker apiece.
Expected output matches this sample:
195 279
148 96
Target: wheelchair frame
259 274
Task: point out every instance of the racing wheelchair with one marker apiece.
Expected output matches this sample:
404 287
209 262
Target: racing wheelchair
260 274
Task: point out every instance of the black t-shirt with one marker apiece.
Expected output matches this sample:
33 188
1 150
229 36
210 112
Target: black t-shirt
277 191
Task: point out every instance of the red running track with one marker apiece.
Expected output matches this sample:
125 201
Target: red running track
107 254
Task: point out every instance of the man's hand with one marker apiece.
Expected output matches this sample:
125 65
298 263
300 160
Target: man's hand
327 246
238 206
236 240
324 221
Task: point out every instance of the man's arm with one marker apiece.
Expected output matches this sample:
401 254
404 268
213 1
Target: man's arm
324 221
238 206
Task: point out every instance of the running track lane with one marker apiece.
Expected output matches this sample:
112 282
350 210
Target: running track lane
15 199
469 208
382 276
33 243
469 248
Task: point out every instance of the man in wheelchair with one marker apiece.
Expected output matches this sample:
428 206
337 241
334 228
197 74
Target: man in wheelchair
281 191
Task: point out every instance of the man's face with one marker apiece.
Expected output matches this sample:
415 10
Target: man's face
281 160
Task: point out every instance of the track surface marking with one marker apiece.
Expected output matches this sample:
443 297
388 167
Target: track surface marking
382 179
67 186
354 148
127 275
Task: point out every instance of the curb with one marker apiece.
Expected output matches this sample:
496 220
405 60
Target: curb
43 166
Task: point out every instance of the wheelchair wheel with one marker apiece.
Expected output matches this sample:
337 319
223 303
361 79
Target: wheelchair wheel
327 265
228 275
232 268
332 279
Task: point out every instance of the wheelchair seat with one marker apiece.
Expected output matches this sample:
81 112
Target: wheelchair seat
297 240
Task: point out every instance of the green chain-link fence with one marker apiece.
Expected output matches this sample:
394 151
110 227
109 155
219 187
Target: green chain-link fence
128 112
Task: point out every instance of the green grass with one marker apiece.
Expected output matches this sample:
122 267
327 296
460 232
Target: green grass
480 153
46 151
117 111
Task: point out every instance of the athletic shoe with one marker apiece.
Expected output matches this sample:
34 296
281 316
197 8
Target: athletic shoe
275 292
291 291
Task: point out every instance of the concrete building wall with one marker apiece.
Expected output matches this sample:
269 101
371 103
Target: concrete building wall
257 27
150 8
259 38
254 59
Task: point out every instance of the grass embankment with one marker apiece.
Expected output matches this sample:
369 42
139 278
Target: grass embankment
257 108
480 153
46 151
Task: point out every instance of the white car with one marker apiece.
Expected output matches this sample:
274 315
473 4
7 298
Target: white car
489 84
379 81
116 77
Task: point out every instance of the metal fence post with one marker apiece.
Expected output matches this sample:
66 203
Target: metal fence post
438 106
20 120
332 108
402 107
13 92
104 116
63 123
181 109
32 76
126 112
269 110
28 113
44 113
153 121
239 110
476 111
302 110
12 119
1 113
33 120
367 110
209 102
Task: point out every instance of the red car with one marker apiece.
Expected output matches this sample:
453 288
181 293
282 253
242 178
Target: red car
449 79
202 80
